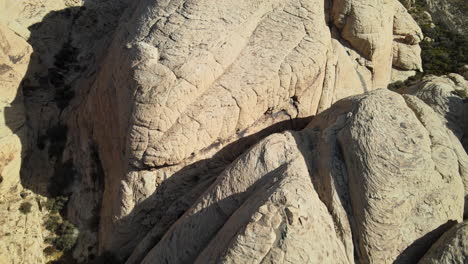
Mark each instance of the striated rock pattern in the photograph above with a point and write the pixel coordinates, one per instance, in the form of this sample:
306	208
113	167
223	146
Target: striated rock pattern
201	132
452	247
446	96
185	79
375	174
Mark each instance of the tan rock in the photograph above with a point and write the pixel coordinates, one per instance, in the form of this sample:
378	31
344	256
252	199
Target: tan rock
444	95
21	235
377	172
14	58
452	247
251	215
184	88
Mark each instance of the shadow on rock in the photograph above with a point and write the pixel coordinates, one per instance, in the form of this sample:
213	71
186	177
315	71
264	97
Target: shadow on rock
145	226
66	46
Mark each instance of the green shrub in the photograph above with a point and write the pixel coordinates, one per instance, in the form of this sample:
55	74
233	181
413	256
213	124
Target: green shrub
443	50
55	205
396	85
25	207
65	234
52	223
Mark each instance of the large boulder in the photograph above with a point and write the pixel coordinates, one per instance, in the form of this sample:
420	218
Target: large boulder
374	179
451	248
446	95
185	79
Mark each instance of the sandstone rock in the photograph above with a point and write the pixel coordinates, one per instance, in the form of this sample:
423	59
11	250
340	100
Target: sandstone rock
21	235
375	174
14	58
444	95
187	86
399	75
50	30
184	79
256	211
452	247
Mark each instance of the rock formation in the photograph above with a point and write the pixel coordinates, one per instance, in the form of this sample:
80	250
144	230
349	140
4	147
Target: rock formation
188	78
375	174
450	248
217	131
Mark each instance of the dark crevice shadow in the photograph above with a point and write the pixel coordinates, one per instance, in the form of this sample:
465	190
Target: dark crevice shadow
151	219
456	116
44	92
65	45
214	219
324	156
414	252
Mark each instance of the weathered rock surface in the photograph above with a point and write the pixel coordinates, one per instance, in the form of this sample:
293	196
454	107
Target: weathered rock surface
452	247
184	79
451	13
14	59
21	234
446	95
170	149
375	174
37	42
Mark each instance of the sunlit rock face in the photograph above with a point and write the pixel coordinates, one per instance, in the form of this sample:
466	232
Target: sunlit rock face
203	131
185	80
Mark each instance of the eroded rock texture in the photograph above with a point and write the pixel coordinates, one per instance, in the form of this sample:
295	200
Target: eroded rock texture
191	138
47	48
375	174
184	80
452	247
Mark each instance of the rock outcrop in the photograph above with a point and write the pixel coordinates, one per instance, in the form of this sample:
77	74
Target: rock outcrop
45	48
452	247
201	131
14	59
185	79
376	174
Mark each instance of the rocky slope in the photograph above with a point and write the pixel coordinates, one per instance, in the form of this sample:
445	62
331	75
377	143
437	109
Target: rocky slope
189	135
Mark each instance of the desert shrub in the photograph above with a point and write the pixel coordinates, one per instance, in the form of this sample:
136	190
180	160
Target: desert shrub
443	50
446	51
52	223
25	207
396	85
65	234
55	205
